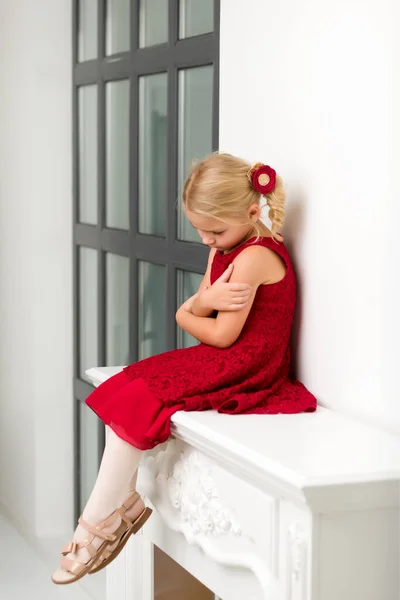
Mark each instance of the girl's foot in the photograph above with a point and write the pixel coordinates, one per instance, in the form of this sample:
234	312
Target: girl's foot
85	552
134	513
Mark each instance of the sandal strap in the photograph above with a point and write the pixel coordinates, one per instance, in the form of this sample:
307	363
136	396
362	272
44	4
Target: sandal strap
90	548
130	501
127	505
72	548
106	553
96	531
72	566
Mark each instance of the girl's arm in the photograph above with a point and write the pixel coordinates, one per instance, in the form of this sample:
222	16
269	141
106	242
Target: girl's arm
198	309
255	265
222	295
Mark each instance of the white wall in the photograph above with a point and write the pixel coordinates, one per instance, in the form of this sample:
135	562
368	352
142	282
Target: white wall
311	89
36	450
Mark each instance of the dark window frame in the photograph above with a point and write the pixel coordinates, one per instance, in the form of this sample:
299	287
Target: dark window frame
176	54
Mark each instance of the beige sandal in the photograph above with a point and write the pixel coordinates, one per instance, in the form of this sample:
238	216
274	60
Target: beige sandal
111	552
77	569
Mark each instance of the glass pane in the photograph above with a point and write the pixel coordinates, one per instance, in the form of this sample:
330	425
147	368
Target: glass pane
173	582
194	131
118	26
117	309
153	26
87	119
152	305
87	30
89	428
88	307
195	17
188	284
117	154
152	153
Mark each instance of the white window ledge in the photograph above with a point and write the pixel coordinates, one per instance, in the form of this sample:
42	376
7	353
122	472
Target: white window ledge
303	452
305	500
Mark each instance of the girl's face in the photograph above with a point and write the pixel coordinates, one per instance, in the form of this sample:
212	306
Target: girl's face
216	234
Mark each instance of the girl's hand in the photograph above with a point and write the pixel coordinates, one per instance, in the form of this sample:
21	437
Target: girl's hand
225	296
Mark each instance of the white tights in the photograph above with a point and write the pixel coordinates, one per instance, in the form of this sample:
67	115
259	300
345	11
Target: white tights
117	477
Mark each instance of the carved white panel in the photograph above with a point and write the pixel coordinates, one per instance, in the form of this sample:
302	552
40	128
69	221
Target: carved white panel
297	562
193	492
179	481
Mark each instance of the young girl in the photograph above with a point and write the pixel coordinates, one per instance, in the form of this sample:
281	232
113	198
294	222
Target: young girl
242	316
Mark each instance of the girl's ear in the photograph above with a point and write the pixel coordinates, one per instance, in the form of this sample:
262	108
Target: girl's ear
254	212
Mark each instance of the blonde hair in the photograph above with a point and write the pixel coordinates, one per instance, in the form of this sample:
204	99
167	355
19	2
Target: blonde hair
219	186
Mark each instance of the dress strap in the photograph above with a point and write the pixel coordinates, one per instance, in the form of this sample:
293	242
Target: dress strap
271	244
267	242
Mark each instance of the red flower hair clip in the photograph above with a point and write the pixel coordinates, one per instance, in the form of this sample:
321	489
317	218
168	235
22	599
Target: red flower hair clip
262	178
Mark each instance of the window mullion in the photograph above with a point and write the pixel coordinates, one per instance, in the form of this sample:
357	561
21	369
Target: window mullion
133	212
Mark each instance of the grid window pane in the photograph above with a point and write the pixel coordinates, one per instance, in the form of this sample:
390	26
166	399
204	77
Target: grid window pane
117	154
118	26
87	140
146	83
188	284
117	309
196	17
87	30
89	434
88	310
153	22
152	309
194	130
152	153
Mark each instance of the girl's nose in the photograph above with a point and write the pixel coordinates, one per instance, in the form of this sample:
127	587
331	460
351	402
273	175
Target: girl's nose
207	239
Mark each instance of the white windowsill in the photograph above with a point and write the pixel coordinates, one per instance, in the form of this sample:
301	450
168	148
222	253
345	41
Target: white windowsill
303	453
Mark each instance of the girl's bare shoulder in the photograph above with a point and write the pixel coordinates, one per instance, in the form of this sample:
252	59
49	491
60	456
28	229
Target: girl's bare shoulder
262	264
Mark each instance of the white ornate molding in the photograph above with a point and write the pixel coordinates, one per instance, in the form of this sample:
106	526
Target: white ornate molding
297	562
184	478
193	492
178	482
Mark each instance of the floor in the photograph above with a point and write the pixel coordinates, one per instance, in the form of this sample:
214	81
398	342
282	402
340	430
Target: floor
25	573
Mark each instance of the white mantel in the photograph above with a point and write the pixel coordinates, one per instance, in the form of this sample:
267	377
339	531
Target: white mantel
271	507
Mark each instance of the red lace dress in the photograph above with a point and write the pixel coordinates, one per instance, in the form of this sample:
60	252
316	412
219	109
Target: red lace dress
251	376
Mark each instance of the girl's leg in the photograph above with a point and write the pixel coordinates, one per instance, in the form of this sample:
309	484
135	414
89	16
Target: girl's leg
132	483
113	482
120	461
115	478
